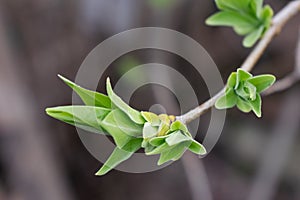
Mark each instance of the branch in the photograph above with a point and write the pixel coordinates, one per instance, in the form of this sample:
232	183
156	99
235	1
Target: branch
278	22
290	79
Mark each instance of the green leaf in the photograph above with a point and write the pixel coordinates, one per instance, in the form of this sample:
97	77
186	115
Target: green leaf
231	82
256	105
267	14
133	114
234	5
151	117
133	145
246	17
90	98
85	117
120	127
251	89
157	141
177	125
149	131
262	82
163	129
122	121
173	153
256	6
119	155
176	138
242	75
148	147
243	105
197	148
159	149
252	38
243	30
229	100
229	18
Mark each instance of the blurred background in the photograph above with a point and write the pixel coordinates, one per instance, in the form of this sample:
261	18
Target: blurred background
44	159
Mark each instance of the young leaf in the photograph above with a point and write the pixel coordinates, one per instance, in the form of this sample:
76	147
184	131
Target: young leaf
163	129
256	105
246	17
151	117
120	127
164	118
229	18
243	30
149	131
242	75
252	38
161	148
197	148
234	5
262	82
231	82
251	90
229	100
90	98
133	114
119	155
85	117
177	125
157	141
267	14
256	6
176	138
147	147
173	153
243	105
124	123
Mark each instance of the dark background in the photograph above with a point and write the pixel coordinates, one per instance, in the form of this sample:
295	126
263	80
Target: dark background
41	158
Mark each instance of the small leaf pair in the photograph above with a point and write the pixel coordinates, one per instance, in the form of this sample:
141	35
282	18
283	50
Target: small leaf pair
243	90
247	17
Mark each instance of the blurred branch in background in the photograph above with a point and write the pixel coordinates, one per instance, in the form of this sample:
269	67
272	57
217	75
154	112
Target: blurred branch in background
280	143
32	172
2	194
197	177
290	79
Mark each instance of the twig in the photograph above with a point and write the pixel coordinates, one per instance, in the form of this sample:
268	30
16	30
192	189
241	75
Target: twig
284	83
274	159
278	22
31	169
290	79
196	177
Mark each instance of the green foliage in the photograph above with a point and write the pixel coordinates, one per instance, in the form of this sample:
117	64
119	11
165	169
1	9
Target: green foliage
129	128
169	138
90	98
248	18
243	90
84	117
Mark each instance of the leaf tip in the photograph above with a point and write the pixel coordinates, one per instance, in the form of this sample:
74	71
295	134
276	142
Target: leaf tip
108	86
99	173
258	114
62	78
49	111
102	171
